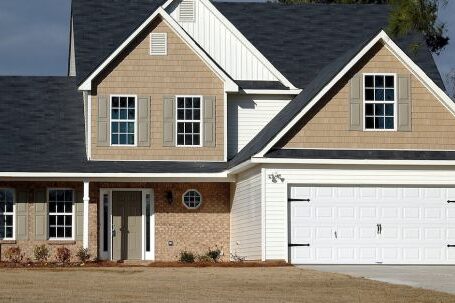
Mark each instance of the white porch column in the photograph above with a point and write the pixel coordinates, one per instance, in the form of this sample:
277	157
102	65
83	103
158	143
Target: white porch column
86	206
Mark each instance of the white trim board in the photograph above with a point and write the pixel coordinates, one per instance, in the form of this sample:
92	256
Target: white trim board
229	84
414	68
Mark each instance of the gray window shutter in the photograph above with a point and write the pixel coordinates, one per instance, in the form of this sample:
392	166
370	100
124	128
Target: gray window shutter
356	103
143	123
22	198
79	211
104	127
169	121
404	103
41	227
209	121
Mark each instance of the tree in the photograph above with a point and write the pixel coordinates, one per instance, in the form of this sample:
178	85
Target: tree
406	16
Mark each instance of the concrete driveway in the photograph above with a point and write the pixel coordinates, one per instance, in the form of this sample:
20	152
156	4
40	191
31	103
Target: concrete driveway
440	278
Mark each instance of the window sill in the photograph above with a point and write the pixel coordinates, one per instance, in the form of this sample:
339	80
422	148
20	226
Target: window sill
7	242
61	242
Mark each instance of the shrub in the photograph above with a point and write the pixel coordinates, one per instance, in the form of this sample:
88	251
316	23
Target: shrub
186	257
237	258
14	254
63	255
83	255
204	258
214	254
41	253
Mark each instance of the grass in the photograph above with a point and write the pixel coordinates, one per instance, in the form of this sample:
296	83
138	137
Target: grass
209	284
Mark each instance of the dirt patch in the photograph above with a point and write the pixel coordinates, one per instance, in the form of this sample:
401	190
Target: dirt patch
208	284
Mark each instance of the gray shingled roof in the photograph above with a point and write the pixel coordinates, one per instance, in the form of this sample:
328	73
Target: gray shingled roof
100	26
300	40
360	154
42	130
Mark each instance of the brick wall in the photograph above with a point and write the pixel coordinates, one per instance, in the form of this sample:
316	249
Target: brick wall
192	230
28	245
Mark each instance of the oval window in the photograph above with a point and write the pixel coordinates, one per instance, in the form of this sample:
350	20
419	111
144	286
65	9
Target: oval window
192	199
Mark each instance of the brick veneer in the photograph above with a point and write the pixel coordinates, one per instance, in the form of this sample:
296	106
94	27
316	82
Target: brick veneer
192	230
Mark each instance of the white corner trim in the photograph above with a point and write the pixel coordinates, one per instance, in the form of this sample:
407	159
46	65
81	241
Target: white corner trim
229	84
89	125
244	40
440	94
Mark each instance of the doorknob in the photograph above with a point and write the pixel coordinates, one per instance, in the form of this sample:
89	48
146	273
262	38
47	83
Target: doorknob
113	231
336	235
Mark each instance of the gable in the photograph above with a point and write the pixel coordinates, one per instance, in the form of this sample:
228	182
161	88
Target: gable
327	125
180	72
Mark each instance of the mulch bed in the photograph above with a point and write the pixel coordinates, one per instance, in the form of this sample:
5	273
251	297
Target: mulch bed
94	264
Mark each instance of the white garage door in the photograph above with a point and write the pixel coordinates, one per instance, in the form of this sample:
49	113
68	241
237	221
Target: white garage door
371	225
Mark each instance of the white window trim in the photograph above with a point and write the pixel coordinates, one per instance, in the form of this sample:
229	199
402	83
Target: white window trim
165	44
183	199
73	215
200	121
13	238
395	103
118	120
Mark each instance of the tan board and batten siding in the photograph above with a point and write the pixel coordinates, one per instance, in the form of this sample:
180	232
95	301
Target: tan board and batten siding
328	125
180	72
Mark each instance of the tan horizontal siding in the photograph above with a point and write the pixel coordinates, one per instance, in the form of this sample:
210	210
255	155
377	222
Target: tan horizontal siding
180	72
327	126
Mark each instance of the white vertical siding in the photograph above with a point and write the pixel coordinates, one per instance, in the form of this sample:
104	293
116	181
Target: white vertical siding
275	194
247	115
222	44
246	215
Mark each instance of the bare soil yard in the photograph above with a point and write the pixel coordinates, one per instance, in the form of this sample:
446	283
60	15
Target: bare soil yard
148	284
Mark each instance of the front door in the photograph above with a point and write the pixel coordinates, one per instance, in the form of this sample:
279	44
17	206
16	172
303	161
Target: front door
126	225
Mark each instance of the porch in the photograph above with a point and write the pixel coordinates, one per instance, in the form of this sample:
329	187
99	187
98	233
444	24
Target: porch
118	220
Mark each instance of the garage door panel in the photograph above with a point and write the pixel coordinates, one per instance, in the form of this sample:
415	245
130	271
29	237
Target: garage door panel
368	225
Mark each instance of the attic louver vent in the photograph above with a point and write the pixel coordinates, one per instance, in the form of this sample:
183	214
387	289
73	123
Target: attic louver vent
187	11
158	44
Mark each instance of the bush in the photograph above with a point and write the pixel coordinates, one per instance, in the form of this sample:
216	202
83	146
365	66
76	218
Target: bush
14	254
204	259
41	253
186	257
83	255
214	254
63	255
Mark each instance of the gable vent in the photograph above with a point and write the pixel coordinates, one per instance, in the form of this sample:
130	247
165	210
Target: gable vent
187	11
158	44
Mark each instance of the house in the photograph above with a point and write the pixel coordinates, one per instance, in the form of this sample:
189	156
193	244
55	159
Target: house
300	133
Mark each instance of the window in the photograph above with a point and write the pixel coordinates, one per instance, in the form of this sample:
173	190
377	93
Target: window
123	120
6	214
380	102
158	44
61	213
187	11
148	213
192	199
188	121
105	221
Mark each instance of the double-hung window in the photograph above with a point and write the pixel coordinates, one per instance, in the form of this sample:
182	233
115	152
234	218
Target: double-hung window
189	121
380	101
123	120
6	214
61	213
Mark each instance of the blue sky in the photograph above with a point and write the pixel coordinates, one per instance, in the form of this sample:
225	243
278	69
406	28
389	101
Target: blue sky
34	37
